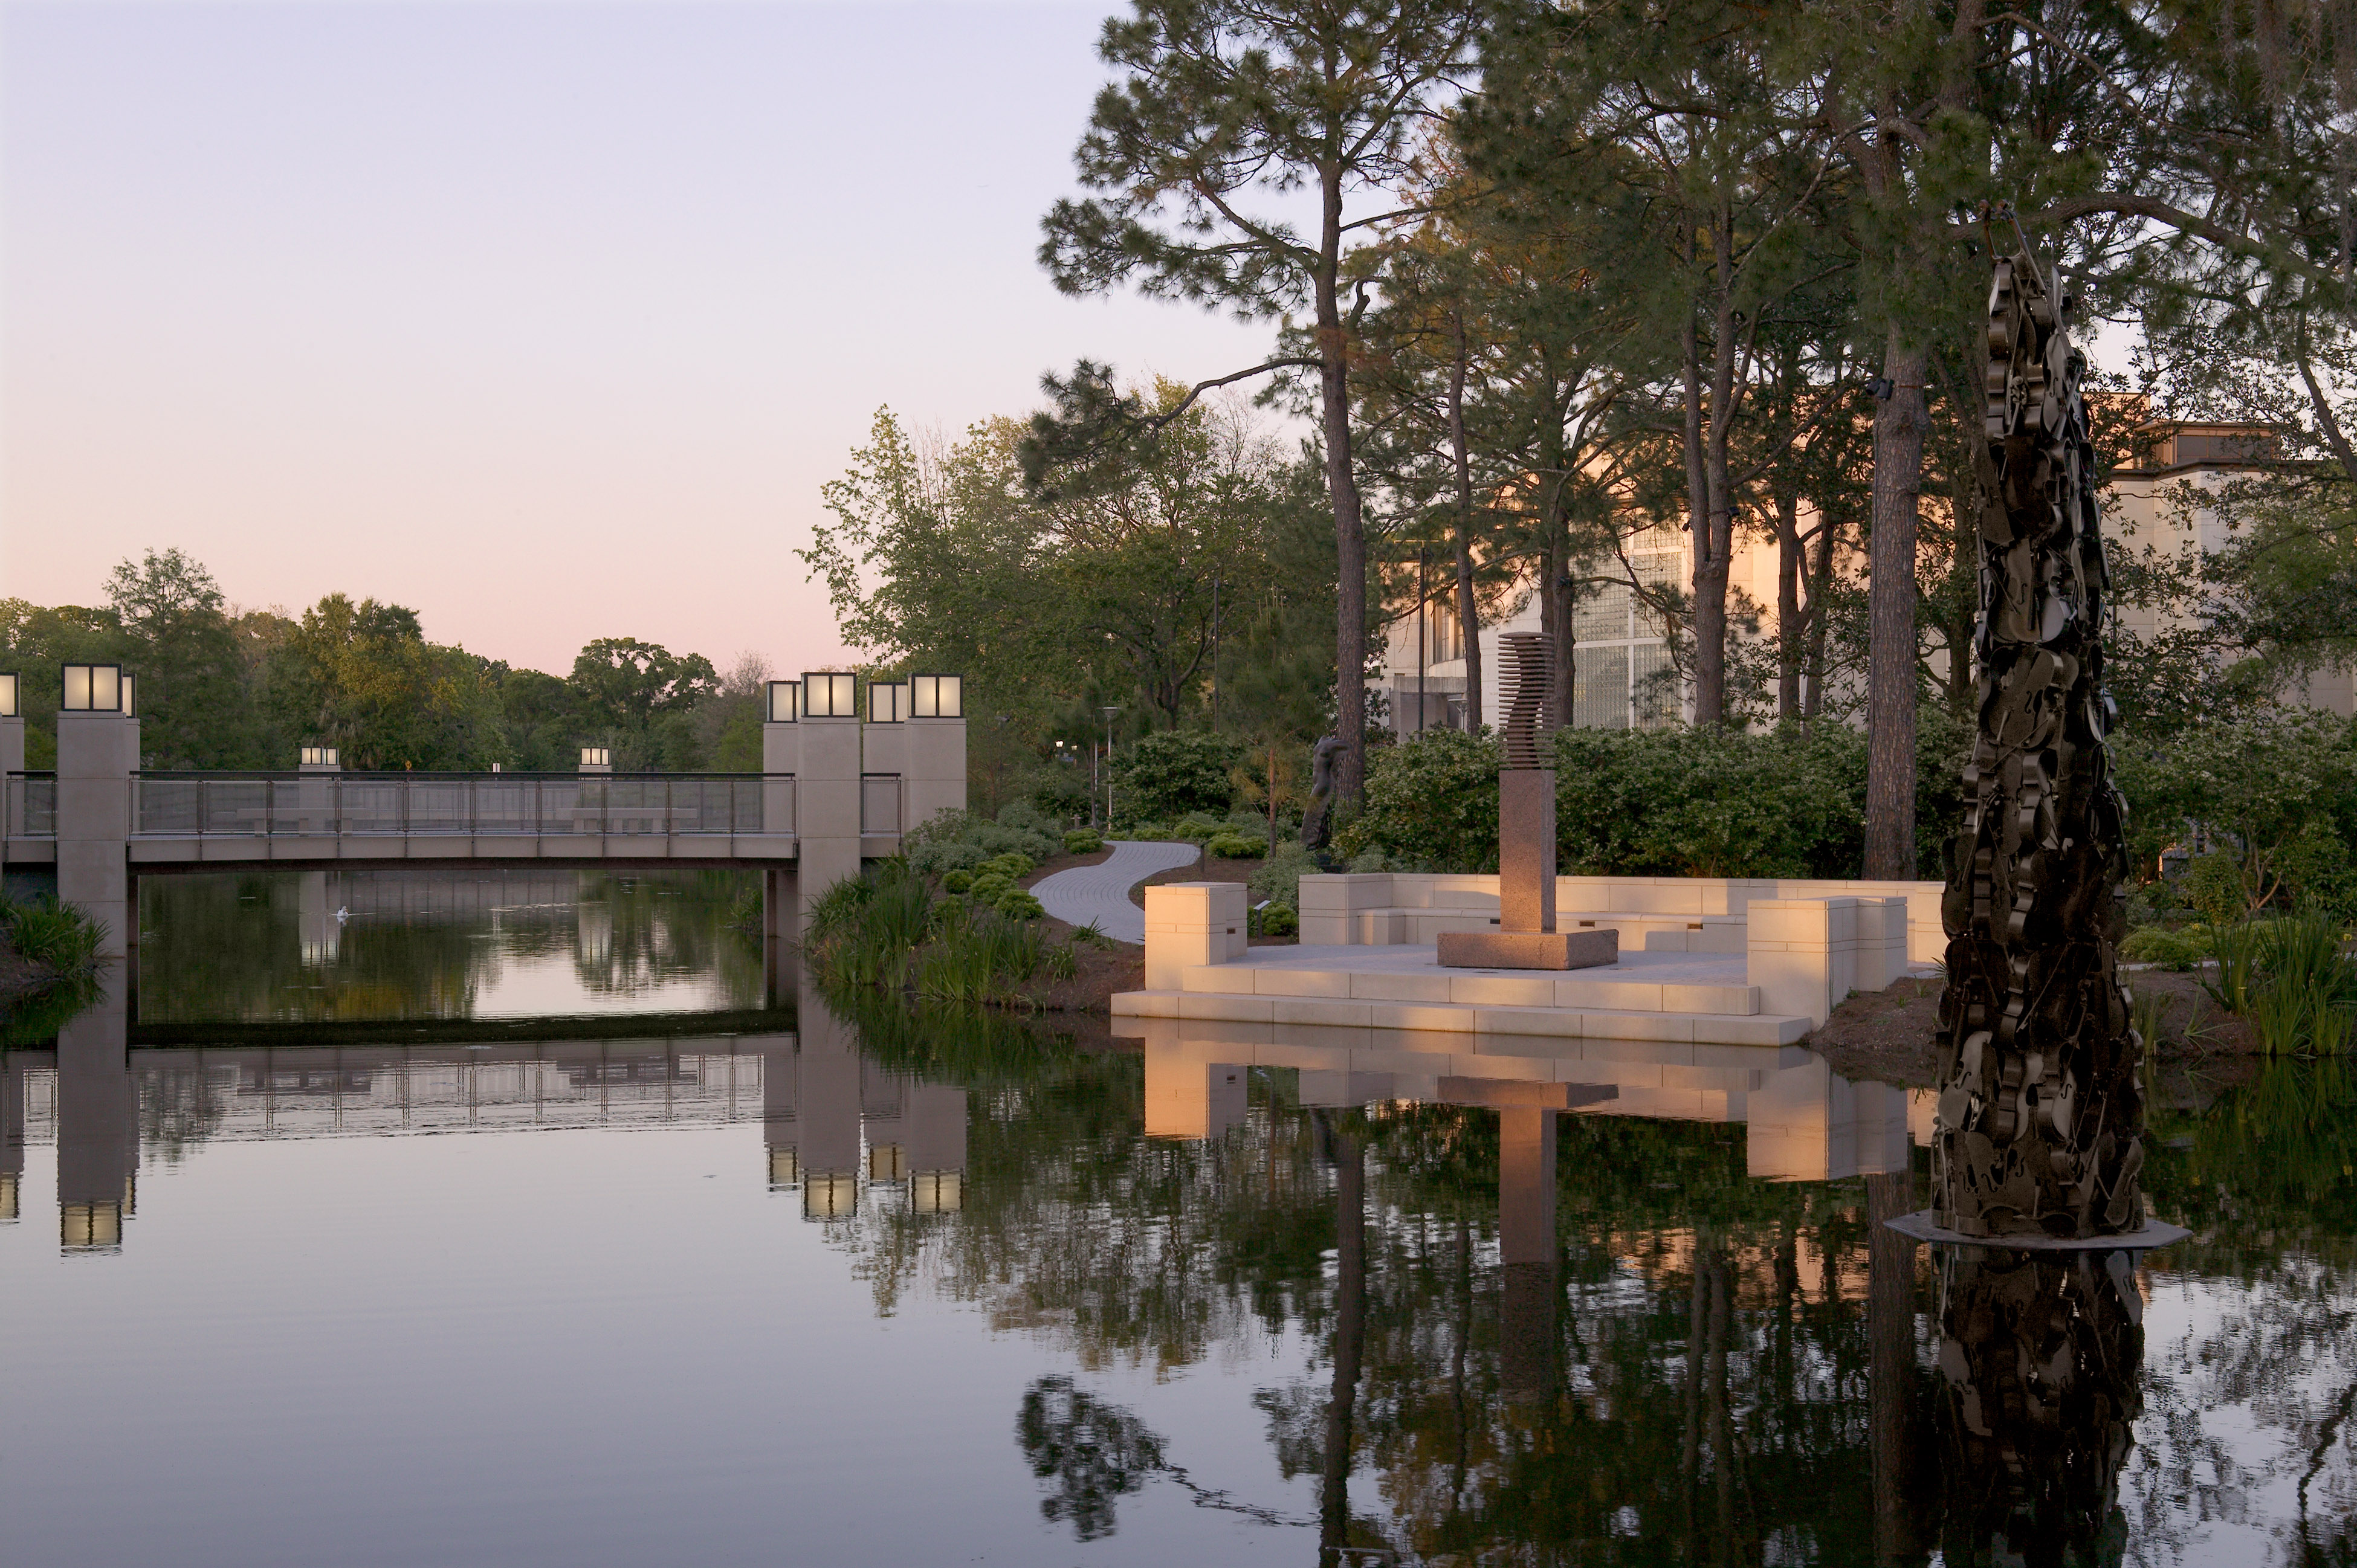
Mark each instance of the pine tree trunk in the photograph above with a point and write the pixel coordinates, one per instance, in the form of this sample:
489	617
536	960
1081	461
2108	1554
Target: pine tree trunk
1899	425
1349	530
1790	631
1469	619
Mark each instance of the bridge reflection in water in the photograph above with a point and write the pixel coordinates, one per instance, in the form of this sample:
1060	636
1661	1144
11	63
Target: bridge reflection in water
841	1129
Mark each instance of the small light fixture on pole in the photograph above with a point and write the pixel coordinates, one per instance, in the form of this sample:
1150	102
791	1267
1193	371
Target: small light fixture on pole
1109	714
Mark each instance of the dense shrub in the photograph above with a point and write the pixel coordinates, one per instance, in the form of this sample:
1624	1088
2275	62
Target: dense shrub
1276	921
1431	803
1711	803
2278	789
1084	841
1673	802
1165	776
1278	879
964	841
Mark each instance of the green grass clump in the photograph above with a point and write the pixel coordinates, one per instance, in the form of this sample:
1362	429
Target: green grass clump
2293	978
1229	845
62	937
887	930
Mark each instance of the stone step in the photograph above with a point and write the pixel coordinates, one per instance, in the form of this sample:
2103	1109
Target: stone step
1475	990
1503	1022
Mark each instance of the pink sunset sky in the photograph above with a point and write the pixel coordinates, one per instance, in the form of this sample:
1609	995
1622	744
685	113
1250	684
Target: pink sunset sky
546	319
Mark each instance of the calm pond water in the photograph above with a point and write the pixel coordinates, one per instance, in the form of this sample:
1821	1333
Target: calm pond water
303	947
901	1288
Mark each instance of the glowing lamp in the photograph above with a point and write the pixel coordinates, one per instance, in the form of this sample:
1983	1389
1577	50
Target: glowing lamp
91	689
830	695
936	696
785	701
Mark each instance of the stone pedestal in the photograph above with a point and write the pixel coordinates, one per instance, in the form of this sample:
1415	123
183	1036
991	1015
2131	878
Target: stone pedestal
1527	937
1191	923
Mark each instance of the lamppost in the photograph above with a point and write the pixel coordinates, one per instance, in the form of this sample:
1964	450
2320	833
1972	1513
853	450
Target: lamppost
1109	714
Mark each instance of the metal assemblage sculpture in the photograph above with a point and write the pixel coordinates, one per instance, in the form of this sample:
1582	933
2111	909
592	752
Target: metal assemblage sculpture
2041	1111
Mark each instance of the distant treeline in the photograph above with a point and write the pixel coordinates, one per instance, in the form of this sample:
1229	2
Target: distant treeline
223	688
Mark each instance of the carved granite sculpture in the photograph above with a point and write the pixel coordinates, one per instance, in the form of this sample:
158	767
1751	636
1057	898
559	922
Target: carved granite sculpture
2040	1113
1527	937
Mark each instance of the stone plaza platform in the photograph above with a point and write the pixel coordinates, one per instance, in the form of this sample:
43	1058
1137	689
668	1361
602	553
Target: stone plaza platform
1655	996
1791	962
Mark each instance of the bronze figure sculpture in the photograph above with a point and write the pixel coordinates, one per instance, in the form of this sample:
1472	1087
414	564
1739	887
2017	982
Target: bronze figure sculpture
1316	831
2041	1111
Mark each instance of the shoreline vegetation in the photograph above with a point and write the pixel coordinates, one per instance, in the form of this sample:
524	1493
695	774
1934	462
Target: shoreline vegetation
51	966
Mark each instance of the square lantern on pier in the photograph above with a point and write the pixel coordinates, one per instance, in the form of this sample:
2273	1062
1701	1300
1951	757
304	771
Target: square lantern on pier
9	682
938	1192
319	760
123	695
888	702
829	1194
596	759
91	689
936	696
785	701
830	695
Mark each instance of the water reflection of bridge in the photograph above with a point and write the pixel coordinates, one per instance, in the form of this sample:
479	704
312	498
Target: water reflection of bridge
841	1129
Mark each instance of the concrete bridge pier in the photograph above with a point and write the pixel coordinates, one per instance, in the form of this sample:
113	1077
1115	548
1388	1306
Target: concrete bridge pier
97	751
98	1127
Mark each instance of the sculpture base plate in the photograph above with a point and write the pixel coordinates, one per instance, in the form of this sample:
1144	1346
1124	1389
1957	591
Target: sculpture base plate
2156	1233
1530	950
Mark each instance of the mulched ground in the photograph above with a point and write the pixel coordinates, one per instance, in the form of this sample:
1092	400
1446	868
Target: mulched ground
1887	1036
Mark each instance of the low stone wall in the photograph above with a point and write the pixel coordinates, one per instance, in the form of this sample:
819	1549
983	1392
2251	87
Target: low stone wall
1682	914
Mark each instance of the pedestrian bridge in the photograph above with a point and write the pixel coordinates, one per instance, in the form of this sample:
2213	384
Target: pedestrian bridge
846	769
207	818
204	819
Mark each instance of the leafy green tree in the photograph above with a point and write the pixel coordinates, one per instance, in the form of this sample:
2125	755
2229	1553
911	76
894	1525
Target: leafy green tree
1222	105
362	678
1161	777
625	684
2276	788
195	692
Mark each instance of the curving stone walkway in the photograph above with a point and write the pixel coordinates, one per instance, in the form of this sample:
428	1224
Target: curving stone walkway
1101	892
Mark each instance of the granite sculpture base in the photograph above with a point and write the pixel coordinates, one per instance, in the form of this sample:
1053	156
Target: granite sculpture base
1530	950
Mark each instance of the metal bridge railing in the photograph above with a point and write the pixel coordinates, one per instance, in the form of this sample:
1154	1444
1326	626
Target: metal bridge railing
28	806
879	803
414	804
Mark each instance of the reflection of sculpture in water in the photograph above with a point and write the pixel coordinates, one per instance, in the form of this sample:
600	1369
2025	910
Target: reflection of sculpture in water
2039	1355
2040	1114
1315	828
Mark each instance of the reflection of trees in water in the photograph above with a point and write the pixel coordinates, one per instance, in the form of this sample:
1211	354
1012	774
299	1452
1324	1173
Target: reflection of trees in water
1732	1370
2254	1319
258	946
1702	1354
639	930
